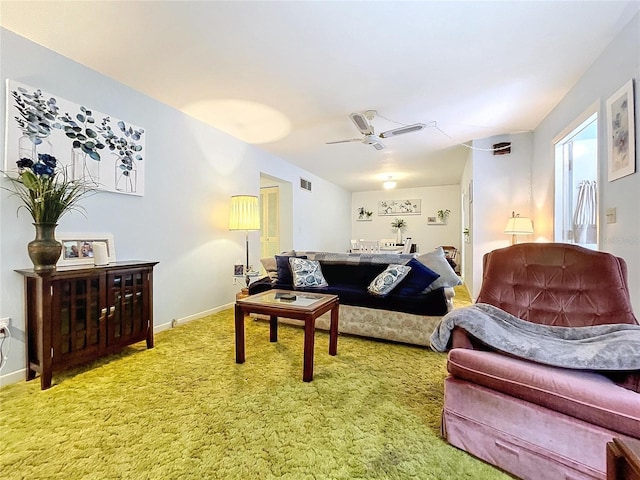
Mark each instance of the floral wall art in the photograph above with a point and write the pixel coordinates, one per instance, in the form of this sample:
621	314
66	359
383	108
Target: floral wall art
400	207
105	152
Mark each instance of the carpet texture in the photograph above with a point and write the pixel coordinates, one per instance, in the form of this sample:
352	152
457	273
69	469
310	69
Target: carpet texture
186	410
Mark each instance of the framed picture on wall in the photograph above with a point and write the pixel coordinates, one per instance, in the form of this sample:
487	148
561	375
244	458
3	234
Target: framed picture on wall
411	206
96	148
621	133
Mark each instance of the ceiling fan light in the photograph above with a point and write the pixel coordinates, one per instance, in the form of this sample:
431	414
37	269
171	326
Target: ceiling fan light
402	130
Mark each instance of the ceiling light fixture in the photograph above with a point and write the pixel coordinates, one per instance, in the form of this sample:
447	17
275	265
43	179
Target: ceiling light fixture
389	184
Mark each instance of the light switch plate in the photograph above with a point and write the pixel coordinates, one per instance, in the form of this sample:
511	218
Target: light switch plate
611	215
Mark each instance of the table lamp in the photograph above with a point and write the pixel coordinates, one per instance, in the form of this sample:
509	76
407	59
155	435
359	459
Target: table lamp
518	225
244	215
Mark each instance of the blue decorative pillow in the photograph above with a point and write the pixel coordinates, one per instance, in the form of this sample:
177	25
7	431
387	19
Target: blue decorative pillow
388	280
418	279
284	270
306	273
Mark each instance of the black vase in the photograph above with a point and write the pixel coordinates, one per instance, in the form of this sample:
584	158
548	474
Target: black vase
44	250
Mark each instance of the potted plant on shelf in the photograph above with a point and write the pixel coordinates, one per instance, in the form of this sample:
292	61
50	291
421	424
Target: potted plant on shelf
364	214
47	192
443	215
399	224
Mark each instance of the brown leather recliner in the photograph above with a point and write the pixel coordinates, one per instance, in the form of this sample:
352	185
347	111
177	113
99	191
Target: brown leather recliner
533	420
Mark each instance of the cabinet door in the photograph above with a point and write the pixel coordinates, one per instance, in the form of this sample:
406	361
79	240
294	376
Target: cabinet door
128	303
76	326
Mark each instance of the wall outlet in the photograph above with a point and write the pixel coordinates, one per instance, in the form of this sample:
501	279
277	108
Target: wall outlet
4	322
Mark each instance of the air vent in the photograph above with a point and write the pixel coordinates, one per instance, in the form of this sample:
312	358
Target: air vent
305	184
503	148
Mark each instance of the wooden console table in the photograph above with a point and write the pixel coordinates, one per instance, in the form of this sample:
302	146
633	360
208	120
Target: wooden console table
78	314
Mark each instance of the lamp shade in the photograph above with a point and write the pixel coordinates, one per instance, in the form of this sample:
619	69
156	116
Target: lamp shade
244	214
519	226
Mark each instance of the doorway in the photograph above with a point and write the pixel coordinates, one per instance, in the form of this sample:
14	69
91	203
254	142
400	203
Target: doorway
576	182
276	212
269	221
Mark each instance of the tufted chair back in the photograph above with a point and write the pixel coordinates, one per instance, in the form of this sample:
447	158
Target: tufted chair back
557	284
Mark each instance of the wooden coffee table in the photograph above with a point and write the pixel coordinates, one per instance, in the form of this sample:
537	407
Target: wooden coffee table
306	307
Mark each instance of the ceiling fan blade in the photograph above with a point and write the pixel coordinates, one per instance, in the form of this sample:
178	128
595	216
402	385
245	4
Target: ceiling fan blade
362	123
378	146
402	130
344	141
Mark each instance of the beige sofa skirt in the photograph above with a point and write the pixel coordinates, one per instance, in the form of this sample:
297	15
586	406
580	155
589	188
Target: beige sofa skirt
375	323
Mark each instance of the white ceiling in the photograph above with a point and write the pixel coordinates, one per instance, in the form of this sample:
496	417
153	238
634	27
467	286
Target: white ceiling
285	75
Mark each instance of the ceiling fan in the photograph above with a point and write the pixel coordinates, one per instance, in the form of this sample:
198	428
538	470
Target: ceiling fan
363	123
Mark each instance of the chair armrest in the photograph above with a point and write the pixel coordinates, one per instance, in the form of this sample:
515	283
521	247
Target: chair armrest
461	339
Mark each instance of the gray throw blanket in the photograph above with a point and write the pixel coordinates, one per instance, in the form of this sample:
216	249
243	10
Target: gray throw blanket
601	347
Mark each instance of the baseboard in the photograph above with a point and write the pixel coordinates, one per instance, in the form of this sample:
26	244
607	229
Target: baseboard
179	321
13	377
20	375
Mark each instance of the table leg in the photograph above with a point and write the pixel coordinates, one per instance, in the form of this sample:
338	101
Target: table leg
273	328
45	379
333	331
309	342
239	321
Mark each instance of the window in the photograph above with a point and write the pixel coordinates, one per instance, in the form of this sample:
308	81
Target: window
576	198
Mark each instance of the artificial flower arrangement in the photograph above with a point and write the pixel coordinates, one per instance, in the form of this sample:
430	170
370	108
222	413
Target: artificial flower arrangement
399	223
45	189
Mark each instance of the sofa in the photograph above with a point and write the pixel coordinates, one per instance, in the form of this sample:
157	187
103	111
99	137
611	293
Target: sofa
406	314
533	420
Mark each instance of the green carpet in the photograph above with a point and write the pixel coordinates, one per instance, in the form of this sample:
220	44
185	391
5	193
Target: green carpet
186	410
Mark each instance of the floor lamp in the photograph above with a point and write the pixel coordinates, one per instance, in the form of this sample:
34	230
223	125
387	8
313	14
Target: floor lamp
245	215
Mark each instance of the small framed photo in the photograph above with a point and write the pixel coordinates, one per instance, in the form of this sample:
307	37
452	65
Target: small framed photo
621	133
238	270
77	248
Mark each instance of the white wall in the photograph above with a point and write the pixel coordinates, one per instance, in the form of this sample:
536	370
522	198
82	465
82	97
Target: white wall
501	185
466	184
426	237
182	221
618	63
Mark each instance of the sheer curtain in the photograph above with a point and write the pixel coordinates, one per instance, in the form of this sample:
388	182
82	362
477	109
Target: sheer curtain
584	216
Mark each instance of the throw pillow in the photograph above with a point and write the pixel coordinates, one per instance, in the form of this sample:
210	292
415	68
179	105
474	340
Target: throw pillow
284	270
386	281
437	262
419	278
306	273
271	267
